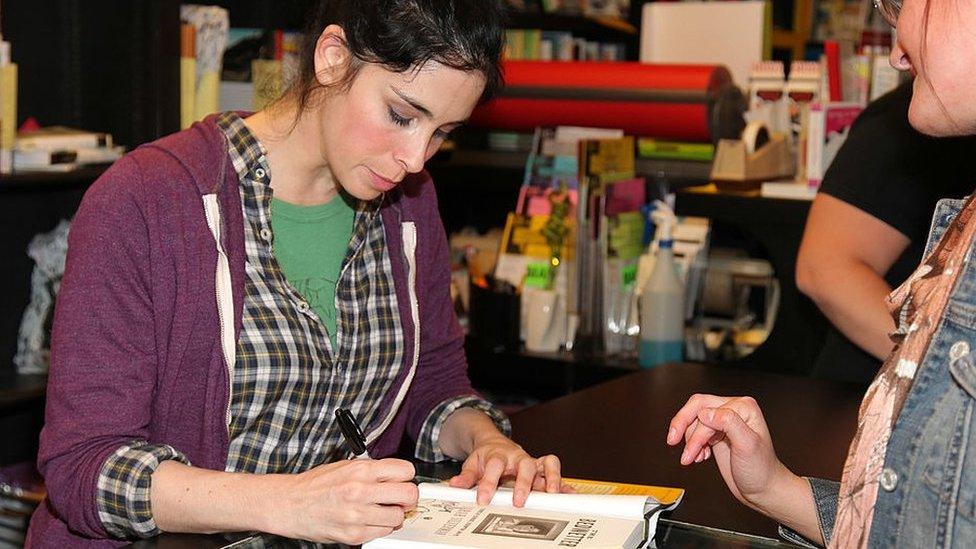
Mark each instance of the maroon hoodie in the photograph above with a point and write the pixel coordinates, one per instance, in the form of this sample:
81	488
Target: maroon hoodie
136	344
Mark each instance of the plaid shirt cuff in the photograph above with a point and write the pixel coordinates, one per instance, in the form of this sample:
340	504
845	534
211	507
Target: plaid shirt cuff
123	488
428	448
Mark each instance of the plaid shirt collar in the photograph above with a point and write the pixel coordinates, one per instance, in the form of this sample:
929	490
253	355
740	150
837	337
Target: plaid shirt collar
250	160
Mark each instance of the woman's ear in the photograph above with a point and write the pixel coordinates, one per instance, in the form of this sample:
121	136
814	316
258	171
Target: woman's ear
331	55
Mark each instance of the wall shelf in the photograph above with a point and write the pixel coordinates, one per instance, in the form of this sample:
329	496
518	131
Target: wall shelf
605	28
39	181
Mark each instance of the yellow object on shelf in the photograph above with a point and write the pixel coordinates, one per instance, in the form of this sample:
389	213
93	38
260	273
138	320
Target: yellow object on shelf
188	75
188	84
207	100
8	115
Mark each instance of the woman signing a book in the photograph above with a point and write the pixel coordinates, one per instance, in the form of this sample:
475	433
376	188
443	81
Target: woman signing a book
910	475
229	287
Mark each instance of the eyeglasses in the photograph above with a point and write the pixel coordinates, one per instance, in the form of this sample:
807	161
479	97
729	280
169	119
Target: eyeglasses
889	9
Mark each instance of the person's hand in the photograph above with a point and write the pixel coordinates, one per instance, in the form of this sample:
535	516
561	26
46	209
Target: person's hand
351	501
498	457
734	431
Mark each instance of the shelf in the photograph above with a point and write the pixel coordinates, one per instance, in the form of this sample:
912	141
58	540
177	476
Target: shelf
685	172
603	28
21	181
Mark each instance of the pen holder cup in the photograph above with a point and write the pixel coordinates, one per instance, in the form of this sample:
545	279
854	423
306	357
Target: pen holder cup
493	319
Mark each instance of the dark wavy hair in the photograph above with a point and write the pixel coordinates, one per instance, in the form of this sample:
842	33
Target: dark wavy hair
402	35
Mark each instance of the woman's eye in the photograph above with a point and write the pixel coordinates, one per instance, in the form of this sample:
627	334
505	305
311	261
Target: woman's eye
397	119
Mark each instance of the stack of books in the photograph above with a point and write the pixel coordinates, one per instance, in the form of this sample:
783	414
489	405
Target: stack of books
540	45
61	149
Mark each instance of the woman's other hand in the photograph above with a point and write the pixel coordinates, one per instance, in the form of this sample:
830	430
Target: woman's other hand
497	457
733	430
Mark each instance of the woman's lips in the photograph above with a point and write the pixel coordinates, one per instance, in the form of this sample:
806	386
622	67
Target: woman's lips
381	183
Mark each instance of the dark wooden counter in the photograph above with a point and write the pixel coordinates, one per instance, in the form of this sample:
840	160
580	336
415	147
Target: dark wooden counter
616	431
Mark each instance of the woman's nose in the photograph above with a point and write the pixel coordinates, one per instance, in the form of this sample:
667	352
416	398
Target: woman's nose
412	155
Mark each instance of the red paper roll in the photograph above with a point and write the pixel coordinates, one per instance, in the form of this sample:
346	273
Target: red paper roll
680	102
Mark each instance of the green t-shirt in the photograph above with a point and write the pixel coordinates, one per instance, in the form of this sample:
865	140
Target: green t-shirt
310	243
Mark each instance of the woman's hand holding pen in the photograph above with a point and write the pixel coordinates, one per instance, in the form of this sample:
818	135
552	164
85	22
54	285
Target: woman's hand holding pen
351	501
734	431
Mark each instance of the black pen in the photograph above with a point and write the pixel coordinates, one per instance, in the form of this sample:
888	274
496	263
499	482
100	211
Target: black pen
354	436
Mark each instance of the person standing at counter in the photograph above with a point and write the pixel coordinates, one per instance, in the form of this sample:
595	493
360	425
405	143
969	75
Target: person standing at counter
909	479
867	227
229	287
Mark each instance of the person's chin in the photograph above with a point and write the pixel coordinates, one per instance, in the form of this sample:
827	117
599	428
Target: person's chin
926	116
363	192
361	188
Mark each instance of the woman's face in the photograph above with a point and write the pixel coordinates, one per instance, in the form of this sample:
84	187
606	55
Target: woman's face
388	124
944	68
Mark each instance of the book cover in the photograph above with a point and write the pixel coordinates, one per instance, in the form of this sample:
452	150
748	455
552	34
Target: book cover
531	43
828	126
188	75
8	114
514	44
449	517
675	150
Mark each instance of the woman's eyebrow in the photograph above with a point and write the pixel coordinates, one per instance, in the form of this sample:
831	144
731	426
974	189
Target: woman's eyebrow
420	107
412	102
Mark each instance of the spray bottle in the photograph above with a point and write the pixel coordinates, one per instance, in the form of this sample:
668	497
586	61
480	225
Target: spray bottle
662	299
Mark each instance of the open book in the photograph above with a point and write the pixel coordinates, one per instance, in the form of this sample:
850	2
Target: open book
601	515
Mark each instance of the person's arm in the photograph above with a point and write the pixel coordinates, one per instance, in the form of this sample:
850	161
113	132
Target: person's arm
350	501
103	359
733	430
843	257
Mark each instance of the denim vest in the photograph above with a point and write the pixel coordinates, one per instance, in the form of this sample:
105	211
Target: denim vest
927	493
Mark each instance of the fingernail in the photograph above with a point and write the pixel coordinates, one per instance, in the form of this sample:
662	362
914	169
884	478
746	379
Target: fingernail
671	433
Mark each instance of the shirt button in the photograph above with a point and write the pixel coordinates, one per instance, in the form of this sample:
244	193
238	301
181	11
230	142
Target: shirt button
303	307
266	234
958	350
889	480
260	173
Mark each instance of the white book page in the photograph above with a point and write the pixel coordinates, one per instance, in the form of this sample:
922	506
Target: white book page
444	524
625	507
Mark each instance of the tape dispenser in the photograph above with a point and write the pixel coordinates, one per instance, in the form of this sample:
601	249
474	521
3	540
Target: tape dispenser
758	156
